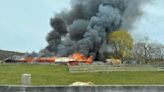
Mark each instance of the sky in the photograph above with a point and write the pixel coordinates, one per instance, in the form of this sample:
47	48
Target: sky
151	24
24	24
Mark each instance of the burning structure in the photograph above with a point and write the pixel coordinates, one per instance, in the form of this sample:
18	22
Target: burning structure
74	59
80	34
84	28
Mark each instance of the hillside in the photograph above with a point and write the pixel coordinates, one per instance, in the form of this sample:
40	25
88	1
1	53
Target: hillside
4	54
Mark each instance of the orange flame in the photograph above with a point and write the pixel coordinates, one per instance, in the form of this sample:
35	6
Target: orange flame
82	58
47	59
90	60
78	57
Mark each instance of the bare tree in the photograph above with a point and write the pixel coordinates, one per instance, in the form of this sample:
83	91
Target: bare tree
162	53
159	51
147	51
141	52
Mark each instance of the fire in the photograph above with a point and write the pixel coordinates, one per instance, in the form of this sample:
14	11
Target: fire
82	58
28	60
73	59
90	60
46	59
78	57
37	59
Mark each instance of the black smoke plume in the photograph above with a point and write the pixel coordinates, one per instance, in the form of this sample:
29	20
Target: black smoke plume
84	28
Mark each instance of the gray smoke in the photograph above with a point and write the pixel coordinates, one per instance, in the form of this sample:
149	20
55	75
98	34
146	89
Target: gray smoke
77	29
84	28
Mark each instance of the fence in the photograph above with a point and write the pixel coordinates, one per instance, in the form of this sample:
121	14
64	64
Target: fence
82	68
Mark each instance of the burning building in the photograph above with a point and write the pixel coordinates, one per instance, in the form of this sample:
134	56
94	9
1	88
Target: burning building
84	28
79	34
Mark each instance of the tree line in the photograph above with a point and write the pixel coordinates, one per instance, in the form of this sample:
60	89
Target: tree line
123	47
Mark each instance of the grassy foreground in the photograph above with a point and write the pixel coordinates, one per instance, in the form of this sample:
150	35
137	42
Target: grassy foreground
59	75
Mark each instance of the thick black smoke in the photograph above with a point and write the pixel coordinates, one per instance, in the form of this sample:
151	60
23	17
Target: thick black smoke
84	28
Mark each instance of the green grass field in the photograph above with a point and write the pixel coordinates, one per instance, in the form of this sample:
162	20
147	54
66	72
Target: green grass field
59	75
